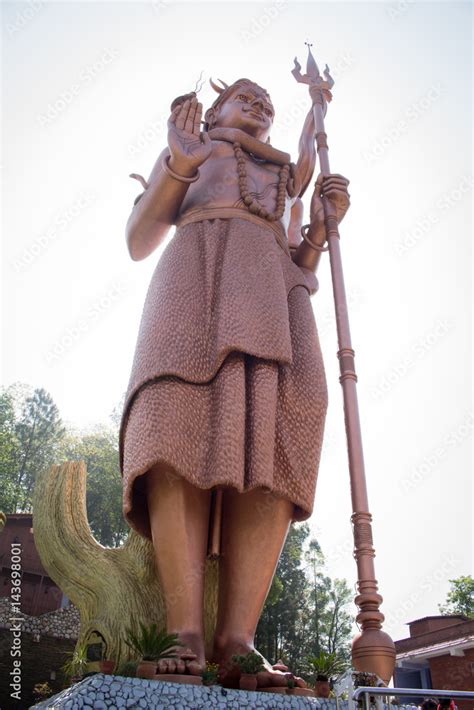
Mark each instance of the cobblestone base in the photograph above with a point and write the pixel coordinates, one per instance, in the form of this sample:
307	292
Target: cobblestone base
104	692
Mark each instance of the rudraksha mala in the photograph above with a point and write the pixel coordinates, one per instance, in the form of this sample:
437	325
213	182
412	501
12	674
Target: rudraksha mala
251	203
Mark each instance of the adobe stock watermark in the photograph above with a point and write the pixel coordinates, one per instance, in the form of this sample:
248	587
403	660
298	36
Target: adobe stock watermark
156	128
26	12
159	6
424	468
67	97
60	222
396	9
97	310
262	21
417	352
426	585
412	113
15	620
326	321
422	227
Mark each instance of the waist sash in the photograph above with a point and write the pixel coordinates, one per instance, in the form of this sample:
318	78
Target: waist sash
201	213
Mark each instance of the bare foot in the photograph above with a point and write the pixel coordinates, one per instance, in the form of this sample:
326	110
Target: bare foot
190	658
272	676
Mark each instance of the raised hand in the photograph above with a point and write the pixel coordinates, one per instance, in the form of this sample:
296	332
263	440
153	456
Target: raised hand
189	148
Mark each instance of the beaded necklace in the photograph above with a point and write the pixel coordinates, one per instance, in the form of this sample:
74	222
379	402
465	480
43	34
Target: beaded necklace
250	202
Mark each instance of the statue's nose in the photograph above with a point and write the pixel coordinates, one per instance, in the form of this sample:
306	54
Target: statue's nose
258	103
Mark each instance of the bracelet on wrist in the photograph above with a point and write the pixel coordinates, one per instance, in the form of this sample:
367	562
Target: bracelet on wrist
308	241
175	176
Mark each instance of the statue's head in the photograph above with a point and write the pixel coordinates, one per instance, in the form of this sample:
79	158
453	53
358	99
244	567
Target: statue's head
243	105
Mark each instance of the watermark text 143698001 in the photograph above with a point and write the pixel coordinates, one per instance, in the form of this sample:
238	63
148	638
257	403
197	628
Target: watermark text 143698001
15	620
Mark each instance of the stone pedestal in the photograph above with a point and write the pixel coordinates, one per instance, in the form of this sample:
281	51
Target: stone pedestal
104	692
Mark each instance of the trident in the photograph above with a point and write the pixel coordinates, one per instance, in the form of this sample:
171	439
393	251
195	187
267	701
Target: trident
372	649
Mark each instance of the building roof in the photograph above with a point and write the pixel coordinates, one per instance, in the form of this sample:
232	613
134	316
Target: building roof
439	616
438	649
436	639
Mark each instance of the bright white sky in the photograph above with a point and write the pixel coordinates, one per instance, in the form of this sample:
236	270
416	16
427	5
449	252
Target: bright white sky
87	88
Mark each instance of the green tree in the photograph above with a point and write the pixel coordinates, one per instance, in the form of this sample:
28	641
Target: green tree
32	438
39	432
460	599
327	622
9	453
99	451
279	629
340	624
318	599
305	612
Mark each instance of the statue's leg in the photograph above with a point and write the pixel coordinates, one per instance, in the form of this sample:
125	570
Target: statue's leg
255	525
179	521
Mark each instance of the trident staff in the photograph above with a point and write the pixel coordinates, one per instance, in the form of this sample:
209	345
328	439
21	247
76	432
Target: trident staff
372	649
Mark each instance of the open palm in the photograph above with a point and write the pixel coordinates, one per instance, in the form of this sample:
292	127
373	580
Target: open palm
189	147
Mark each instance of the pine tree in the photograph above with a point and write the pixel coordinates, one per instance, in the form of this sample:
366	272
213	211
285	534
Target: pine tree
9	453
39	432
305	612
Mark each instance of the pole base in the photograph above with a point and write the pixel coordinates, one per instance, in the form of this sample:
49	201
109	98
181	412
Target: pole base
373	651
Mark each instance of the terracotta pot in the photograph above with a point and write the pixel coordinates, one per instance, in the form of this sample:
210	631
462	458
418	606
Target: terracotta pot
107	667
146	669
322	688
248	681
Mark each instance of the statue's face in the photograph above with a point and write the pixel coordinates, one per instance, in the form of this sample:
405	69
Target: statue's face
249	109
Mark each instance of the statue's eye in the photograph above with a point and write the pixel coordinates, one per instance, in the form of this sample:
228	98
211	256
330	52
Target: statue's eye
268	112
244	98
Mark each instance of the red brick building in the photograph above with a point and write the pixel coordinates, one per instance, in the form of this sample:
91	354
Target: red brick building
438	654
39	594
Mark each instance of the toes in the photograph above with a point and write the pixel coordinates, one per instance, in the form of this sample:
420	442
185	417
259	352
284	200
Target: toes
194	668
162	666
180	666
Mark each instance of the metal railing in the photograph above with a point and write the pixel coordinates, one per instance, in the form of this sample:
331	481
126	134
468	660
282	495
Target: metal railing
366	692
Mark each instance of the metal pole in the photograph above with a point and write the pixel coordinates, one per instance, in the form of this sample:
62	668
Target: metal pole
413	692
372	650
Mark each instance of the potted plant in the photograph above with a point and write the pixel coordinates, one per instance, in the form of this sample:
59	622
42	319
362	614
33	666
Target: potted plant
362	679
250	664
76	665
151	645
106	665
324	667
41	691
210	673
128	669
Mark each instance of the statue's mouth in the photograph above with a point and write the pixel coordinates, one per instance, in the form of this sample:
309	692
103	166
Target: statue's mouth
255	114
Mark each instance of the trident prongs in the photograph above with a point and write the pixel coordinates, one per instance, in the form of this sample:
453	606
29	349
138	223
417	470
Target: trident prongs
312	76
